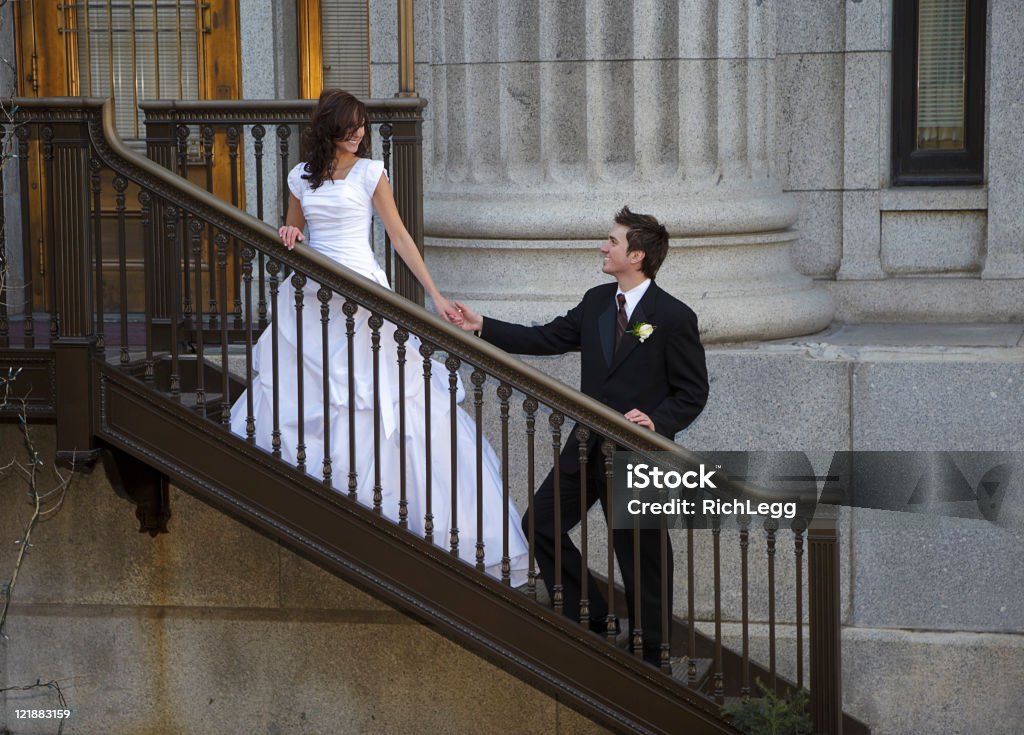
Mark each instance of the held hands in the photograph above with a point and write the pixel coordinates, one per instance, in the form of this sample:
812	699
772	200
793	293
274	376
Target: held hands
451	314
639	417
290	235
471	321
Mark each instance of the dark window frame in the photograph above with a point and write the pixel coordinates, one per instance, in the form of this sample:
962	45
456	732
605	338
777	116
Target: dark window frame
912	167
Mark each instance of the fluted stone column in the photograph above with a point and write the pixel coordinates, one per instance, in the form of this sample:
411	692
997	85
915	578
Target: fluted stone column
549	115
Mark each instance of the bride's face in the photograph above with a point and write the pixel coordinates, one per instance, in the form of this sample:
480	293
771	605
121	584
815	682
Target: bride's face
350	143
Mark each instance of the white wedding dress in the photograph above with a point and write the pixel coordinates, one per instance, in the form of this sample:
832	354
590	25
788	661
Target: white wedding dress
339	214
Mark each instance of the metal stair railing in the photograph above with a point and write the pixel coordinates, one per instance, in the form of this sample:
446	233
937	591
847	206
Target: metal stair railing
88	172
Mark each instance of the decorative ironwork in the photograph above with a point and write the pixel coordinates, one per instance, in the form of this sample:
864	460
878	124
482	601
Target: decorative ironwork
453	363
555	421
477	378
299	283
375	323
164	197
401	337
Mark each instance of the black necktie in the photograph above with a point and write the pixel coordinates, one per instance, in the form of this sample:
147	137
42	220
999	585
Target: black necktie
620	320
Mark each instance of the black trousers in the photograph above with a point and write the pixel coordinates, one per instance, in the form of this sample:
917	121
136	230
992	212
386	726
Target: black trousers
546	537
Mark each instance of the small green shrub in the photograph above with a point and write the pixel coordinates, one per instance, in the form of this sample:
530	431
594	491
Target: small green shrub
770	714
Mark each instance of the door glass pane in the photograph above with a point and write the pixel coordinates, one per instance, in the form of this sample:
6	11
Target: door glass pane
135	50
344	40
941	84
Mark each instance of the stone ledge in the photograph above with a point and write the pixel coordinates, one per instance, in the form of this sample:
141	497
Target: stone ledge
931	198
928	300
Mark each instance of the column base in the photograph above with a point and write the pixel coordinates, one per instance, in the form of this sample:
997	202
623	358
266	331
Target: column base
742	287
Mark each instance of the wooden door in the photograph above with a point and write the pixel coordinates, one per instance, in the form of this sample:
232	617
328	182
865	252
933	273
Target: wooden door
131	50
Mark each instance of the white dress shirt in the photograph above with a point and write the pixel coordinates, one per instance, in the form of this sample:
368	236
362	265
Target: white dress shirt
633	297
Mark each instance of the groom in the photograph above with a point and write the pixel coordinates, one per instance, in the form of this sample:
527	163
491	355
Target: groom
658	381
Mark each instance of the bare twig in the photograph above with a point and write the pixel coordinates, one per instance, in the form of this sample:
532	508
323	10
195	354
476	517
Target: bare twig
52	684
44	503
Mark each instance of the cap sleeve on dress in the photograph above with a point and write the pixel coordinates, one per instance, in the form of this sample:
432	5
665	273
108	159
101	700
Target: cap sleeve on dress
296	184
373	171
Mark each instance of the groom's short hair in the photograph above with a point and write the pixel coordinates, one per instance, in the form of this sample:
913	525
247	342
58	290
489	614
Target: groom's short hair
647	236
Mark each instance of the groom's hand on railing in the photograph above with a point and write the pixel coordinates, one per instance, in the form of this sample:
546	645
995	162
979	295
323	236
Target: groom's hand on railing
471	321
639	417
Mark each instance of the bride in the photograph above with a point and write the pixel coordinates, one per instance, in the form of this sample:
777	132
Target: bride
334	192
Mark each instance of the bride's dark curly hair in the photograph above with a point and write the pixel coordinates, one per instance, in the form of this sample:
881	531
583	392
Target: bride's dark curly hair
337	115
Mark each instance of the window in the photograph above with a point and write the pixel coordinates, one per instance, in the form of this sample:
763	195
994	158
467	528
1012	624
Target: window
344	33
135	50
334	46
938	92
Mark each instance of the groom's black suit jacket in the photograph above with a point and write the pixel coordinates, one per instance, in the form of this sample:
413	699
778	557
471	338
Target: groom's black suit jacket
665	376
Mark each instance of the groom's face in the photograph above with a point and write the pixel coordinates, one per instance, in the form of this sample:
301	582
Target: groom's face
616	258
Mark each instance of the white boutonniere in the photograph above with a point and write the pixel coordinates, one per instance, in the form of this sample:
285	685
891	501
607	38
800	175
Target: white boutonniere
641	331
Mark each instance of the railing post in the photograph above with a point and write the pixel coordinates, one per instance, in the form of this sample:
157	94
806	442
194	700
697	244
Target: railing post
407	140
824	622
161	148
75	342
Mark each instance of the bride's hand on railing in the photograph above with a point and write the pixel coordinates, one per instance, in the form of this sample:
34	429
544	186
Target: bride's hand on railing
290	235
448	311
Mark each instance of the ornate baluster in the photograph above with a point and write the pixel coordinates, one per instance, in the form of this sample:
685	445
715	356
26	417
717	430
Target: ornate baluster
799	526
196	226
453	363
273	268
207	133
183	133
504	393
258	133
222	274
477	378
530	409
283	133
171	215
691	615
95	168
349	309
324	295
583	439
666	612
555	421
376	323
426	350
718	687
233	137
248	253
770	527
401	337
636	619
744	521
608	452
120	185
145	203
299	283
